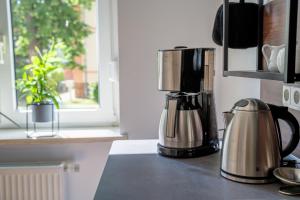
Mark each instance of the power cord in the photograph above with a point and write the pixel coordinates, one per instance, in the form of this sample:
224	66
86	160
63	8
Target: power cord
9	119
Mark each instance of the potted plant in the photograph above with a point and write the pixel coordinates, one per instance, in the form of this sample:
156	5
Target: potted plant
38	87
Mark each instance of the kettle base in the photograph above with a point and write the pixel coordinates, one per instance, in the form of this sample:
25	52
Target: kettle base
249	180
187	152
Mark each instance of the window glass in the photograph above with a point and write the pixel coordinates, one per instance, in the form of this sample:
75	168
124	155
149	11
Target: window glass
69	28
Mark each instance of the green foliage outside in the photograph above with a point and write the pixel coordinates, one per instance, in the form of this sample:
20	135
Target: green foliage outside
94	91
37	22
38	83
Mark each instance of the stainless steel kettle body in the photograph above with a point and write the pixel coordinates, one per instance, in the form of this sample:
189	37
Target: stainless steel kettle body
252	142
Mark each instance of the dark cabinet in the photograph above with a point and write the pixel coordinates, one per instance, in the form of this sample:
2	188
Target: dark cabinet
276	28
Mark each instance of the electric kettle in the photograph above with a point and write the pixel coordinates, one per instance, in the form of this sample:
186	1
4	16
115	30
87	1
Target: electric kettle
252	145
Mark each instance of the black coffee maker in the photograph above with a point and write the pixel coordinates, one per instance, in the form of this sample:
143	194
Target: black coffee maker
188	126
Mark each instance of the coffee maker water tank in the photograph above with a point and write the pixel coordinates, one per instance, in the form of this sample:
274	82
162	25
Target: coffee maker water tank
180	69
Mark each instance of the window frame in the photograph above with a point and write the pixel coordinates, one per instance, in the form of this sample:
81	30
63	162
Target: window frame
107	113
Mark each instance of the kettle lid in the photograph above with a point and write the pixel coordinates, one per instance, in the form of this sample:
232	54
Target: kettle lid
250	104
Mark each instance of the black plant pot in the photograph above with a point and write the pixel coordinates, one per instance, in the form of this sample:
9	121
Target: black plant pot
42	112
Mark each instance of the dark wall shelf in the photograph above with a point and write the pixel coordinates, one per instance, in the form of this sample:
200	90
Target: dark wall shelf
273	31
256	74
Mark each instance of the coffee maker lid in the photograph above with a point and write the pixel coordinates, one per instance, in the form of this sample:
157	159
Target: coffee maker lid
250	105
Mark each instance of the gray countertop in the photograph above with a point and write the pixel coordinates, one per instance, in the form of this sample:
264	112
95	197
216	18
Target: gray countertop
131	175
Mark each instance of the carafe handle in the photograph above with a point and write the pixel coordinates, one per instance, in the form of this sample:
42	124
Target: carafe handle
171	118
281	112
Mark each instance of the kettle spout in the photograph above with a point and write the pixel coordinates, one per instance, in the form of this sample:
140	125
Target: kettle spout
227	118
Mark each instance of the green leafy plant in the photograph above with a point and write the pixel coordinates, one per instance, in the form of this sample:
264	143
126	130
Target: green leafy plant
38	84
93	92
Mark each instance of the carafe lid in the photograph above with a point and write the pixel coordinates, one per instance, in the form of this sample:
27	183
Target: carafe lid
185	101
185	48
250	105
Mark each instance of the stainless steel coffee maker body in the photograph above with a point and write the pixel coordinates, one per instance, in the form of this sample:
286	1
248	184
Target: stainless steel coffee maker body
252	146
188	123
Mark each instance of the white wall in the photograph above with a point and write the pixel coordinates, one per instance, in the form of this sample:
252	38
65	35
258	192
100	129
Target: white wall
229	90
91	158
146	26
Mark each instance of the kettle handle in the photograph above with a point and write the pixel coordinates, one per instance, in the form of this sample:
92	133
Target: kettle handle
281	112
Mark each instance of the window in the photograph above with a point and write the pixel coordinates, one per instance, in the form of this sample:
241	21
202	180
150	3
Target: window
82	34
71	27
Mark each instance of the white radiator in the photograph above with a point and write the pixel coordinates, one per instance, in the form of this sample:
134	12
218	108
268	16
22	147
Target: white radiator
35	181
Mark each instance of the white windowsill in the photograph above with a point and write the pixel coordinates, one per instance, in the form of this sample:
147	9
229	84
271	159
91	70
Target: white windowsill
84	135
